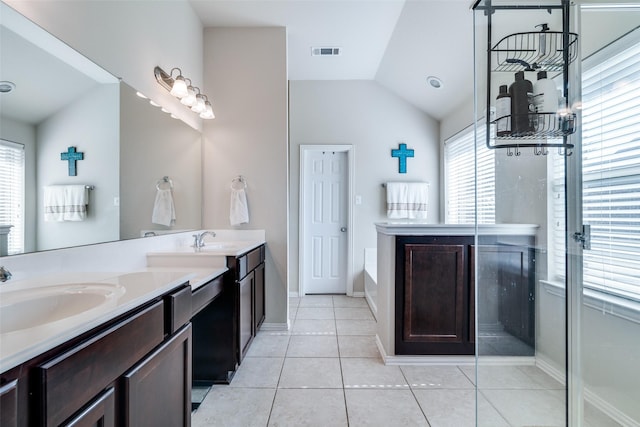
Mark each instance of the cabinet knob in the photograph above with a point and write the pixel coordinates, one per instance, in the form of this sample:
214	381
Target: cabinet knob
343	229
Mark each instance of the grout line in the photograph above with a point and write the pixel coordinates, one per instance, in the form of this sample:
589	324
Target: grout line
414	396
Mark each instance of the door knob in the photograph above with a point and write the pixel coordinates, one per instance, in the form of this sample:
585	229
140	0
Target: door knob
343	229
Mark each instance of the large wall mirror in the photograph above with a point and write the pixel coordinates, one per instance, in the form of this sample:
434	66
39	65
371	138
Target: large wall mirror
54	101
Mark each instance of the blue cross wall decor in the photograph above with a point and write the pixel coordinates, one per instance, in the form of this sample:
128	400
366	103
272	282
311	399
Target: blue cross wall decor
72	157
402	153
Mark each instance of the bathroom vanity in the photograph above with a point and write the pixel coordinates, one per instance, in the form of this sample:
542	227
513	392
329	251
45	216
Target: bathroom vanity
110	373
426	294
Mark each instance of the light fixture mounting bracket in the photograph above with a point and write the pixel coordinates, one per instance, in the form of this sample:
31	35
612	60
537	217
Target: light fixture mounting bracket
165	80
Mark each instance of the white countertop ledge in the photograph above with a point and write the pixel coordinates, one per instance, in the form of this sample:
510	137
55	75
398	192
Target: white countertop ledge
131	289
406	228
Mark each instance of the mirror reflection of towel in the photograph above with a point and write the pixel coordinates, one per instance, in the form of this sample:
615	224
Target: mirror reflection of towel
164	212
239	212
65	202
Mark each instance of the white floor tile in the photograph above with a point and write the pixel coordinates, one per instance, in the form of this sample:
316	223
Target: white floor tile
353	313
371	373
314	327
529	407
316	301
234	407
446	408
268	345
310	407
500	377
258	372
356	327
383	408
358	346
345	301
436	377
313	346
310	372
315	313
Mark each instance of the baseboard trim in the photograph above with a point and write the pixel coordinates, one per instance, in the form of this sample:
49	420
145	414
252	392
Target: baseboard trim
267	327
358	295
293	294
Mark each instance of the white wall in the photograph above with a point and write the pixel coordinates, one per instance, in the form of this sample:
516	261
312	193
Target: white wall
25	133
154	145
91	124
128	39
246	75
372	119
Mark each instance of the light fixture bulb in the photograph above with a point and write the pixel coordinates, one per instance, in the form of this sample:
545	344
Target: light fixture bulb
199	106
190	99
208	111
179	88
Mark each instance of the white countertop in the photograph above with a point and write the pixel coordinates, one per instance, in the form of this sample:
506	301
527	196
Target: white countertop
215	248
400	228
122	292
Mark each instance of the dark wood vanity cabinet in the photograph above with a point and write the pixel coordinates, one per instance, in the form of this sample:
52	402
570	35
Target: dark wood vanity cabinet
9	404
227	314
133	370
248	271
435	291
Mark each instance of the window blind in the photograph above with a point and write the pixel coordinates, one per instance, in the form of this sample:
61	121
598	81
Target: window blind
460	182
611	168
12	193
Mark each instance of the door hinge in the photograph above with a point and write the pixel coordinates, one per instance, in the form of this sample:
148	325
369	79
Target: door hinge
584	237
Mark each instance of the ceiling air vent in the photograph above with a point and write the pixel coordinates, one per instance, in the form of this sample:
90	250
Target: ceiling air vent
326	51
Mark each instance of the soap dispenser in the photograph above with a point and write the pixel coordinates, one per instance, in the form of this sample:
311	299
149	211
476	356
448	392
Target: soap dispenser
521	92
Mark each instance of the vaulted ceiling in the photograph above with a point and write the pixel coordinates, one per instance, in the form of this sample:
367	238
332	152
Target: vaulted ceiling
398	43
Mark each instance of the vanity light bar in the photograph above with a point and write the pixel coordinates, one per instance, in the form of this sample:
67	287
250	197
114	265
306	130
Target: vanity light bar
198	103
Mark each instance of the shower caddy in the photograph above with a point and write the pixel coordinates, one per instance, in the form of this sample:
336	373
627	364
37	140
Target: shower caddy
523	51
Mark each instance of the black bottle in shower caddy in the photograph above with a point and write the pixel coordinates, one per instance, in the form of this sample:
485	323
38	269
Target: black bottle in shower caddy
521	92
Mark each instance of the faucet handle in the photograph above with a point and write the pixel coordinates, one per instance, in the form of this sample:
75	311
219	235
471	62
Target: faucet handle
4	274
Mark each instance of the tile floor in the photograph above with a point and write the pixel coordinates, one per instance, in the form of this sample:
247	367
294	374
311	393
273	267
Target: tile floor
327	372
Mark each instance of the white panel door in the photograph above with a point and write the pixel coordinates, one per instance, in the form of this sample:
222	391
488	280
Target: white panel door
325	199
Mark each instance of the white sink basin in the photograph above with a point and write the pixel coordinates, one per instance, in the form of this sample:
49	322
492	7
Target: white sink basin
28	308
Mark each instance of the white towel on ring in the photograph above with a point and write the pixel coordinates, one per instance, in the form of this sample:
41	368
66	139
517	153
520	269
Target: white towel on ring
239	209
164	211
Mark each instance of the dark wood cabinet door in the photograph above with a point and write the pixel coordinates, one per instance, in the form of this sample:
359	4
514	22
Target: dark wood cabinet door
157	391
432	297
99	413
245	288
259	293
506	289
9	404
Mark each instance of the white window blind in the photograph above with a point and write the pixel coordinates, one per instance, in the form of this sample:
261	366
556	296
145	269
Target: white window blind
460	169
12	193
611	168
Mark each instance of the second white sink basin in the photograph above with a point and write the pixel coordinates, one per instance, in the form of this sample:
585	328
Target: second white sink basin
28	308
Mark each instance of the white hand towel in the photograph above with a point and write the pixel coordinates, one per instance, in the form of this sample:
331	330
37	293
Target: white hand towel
65	202
164	211
407	200
239	212
54	203
76	199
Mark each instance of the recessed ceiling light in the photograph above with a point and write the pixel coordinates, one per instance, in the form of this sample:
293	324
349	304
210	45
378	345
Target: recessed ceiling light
434	82
6	87
155	104
141	95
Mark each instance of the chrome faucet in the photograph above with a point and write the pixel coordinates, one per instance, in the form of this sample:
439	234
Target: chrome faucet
198	239
4	274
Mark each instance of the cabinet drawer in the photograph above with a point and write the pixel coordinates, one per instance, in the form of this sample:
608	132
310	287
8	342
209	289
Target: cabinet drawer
74	378
9	404
178	306
249	262
205	294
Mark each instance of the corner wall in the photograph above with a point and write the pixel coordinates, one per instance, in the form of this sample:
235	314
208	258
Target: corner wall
245	73
363	114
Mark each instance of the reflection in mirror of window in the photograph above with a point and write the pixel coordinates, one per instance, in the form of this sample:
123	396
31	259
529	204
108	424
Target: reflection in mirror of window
12	194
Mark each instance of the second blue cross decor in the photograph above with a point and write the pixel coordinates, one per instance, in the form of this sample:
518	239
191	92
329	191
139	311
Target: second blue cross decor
402	153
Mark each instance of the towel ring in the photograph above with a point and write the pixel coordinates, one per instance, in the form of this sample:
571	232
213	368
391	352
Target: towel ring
164	180
238	183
